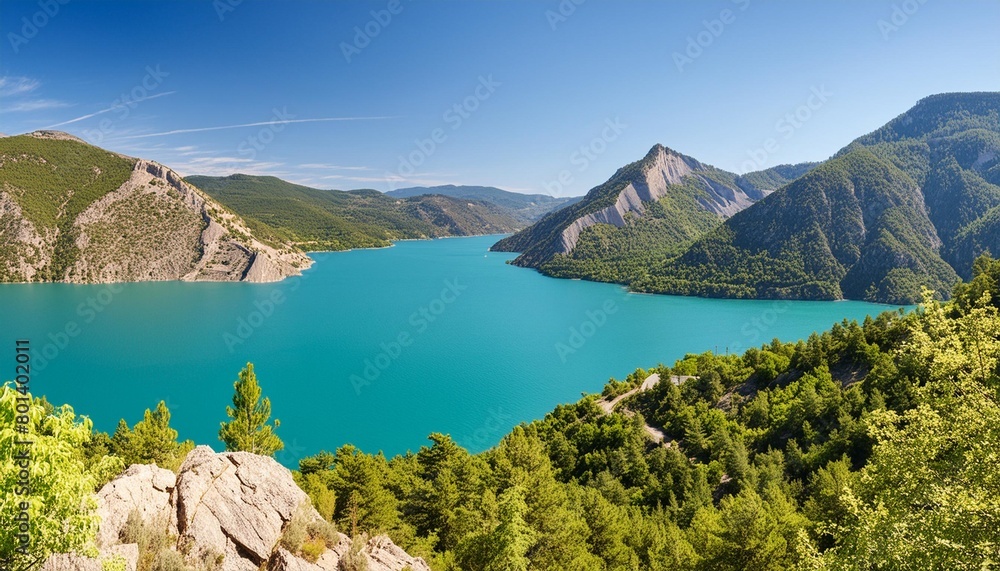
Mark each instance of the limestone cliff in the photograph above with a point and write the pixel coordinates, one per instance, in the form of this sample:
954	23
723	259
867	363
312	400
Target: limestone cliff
76	213
695	197
225	512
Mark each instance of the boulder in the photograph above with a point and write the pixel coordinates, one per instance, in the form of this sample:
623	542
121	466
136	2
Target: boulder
234	502
384	555
142	487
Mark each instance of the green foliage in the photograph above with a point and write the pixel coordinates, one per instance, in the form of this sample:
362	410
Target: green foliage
58	491
666	227
53	181
906	207
247	429
116	563
317	219
866	447
150	441
152	539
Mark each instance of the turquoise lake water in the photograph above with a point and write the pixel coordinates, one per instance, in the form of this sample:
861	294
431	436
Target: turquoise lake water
377	348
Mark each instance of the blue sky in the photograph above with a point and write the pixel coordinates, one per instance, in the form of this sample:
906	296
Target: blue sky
552	97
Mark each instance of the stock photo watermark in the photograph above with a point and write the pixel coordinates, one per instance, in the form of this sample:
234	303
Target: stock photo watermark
32	25
563	11
899	17
786	126
263	309
594	320
419	321
455	116
88	311
711	31
496	423
124	104
585	155
754	329
363	35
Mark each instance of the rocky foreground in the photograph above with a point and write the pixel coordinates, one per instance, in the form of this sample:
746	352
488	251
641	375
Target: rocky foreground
223	512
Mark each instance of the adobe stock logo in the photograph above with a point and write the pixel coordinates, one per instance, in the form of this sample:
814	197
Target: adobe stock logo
47	10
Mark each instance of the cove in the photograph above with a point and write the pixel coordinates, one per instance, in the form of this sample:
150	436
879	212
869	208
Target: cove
377	348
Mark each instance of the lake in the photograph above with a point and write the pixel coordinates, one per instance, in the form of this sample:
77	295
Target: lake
377	348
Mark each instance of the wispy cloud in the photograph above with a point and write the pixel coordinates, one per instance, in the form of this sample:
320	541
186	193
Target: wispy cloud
225	166
34	105
257	124
109	109
12	85
333	167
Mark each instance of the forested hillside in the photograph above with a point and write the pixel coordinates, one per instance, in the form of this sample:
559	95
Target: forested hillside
648	211
871	446
317	219
70	211
910	205
525	208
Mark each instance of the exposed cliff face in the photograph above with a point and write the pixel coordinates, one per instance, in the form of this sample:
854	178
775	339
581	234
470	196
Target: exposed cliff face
663	169
229	510
697	193
71	212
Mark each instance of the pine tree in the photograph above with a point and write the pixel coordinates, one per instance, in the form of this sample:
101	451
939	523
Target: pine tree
151	440
248	429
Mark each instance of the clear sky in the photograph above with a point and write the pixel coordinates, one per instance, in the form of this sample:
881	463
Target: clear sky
552	97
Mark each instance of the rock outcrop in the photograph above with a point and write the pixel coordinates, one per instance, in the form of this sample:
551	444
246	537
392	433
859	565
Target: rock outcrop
228	511
662	169
108	218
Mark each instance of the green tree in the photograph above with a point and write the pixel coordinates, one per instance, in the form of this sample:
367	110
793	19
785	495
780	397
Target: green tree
151	440
248	429
59	497
928	497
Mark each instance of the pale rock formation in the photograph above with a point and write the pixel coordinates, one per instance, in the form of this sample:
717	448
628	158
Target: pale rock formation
235	505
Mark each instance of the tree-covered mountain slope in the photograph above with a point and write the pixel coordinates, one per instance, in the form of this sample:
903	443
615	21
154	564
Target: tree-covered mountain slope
910	205
525	208
73	212
649	210
317	219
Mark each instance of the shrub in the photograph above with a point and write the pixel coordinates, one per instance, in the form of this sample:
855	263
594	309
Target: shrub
354	559
312	548
324	531
116	563
169	560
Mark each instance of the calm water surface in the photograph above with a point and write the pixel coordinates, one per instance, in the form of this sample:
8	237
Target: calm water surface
378	348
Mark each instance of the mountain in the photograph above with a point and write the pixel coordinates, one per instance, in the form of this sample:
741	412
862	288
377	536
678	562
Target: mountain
73	212
315	219
648	211
910	205
526	208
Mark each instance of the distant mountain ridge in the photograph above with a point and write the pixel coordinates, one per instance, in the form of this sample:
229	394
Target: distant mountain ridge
907	206
315	219
647	210
526	208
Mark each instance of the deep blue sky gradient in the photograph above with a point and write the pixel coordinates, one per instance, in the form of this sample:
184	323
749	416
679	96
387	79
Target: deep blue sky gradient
556	82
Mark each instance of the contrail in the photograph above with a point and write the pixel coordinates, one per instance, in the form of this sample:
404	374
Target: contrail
112	108
258	124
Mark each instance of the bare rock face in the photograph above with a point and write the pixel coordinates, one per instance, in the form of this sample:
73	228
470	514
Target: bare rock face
664	169
145	488
154	226
229	508
236	503
384	555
